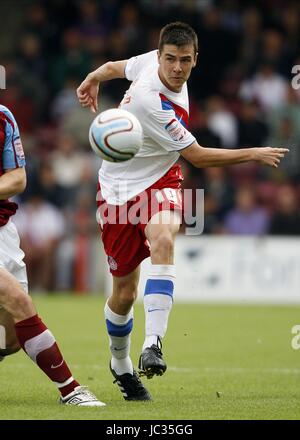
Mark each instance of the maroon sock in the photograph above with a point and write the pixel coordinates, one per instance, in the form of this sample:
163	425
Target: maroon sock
39	344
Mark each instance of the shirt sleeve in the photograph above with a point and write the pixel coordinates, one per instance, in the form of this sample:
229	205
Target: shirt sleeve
135	64
13	153
164	127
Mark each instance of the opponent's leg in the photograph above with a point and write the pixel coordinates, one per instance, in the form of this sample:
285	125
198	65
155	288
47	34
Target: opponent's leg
119	321
158	298
39	343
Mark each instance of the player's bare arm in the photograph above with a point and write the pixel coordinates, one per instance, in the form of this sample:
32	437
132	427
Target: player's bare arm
88	90
12	182
202	157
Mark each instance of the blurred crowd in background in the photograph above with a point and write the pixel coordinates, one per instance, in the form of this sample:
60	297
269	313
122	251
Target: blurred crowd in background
241	95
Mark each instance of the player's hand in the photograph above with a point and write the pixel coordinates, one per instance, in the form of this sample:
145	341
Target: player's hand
269	156
87	93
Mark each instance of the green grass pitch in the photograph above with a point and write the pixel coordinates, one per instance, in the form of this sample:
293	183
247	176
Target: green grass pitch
224	362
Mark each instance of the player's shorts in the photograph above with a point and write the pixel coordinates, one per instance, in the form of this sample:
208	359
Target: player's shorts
11	255
123	227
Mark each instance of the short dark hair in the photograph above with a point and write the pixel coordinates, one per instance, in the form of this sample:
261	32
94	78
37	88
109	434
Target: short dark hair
178	34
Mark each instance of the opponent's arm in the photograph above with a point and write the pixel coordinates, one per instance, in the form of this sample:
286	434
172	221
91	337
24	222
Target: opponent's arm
202	157
88	90
12	182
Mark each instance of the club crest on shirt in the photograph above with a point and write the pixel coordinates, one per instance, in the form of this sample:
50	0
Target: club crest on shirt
176	130
19	148
112	263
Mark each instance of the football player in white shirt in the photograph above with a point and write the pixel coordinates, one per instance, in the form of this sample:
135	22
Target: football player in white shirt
158	97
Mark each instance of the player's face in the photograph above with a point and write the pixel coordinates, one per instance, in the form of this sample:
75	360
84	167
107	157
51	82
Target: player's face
175	65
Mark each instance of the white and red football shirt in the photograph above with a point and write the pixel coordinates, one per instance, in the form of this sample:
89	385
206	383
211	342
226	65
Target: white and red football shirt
164	116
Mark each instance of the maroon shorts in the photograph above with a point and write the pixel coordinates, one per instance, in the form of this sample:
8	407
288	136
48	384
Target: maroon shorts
123	227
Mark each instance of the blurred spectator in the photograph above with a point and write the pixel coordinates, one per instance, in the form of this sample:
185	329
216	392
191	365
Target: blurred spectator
130	25
49	189
217	185
93	28
23	106
252	130
204	135
266	194
267	87
246	218
291	26
222	122
211	217
274	52
32	68
74	61
284	135
30	57
68	164
231	17
284	124
245	174
65	101
252	25
41	226
230	87
38	22
286	218
217	49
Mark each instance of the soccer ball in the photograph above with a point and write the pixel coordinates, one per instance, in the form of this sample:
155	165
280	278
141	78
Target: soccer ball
116	135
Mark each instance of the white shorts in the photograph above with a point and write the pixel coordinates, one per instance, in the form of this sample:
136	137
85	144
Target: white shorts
11	255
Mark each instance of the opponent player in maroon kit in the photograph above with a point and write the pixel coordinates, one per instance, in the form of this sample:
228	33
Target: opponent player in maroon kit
158	97
20	326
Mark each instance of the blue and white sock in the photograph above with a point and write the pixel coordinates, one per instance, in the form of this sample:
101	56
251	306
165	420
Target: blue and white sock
119	328
158	301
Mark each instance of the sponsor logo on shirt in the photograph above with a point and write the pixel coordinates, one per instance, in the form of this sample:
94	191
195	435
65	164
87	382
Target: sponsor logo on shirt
176	130
19	148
